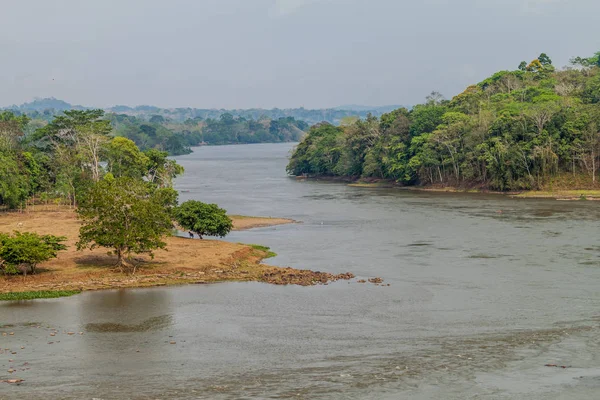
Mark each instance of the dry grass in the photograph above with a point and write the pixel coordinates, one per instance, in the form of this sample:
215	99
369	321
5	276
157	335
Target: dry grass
184	261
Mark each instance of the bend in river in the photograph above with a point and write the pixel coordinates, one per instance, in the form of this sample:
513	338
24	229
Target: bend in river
485	290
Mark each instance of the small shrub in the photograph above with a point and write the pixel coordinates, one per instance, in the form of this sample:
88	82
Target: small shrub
270	254
22	251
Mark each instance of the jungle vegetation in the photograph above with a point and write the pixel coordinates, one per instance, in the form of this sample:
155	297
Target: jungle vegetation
519	129
123	195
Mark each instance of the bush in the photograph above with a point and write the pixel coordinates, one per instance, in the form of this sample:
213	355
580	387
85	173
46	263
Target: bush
21	252
203	219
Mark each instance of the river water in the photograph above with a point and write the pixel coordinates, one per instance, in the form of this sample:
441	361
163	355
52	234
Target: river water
484	291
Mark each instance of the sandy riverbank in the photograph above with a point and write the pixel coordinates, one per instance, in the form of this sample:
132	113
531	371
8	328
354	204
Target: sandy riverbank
184	261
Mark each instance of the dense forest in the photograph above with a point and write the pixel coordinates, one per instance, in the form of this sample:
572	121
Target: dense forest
311	116
173	136
176	138
520	129
61	160
177	130
46	109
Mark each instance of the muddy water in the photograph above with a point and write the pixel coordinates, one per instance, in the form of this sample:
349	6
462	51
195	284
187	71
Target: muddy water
484	292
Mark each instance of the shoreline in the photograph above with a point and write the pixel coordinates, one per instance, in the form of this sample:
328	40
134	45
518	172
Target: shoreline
558	194
185	261
244	222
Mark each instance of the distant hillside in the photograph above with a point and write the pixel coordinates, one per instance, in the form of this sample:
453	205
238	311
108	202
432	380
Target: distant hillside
331	115
48	104
46	108
371	109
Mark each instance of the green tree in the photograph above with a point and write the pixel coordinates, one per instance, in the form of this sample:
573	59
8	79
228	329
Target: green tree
126	215
523	66
588	62
544	60
22	252
125	159
319	152
157	119
12	129
15	185
160	169
203	219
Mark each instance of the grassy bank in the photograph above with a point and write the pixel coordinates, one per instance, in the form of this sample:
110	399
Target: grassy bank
582	194
264	250
44	294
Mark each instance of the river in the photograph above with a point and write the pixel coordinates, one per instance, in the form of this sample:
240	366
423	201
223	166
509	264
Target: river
484	292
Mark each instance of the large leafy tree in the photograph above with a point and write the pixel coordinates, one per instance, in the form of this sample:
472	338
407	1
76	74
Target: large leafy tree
160	169
125	159
203	219
73	145
126	215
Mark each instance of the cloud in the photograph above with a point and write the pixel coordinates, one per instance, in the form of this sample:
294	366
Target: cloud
282	8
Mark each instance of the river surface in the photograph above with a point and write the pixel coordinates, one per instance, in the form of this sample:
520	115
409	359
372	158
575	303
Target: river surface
484	291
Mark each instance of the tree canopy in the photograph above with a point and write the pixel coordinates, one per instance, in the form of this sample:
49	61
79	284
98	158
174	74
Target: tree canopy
514	130
203	219
176	137
126	215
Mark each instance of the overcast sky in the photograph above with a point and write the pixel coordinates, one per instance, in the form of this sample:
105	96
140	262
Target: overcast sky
276	53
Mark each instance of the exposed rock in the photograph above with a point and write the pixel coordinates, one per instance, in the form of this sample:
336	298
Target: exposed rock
291	276
12	380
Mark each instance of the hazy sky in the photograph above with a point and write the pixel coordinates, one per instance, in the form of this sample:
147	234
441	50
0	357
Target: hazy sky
276	53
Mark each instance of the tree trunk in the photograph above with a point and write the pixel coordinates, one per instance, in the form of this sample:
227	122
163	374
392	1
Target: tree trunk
593	166
123	264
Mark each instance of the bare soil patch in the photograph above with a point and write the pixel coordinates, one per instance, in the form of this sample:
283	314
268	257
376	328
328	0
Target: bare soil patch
241	222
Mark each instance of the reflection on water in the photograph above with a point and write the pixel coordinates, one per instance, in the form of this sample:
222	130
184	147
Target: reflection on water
148	325
485	290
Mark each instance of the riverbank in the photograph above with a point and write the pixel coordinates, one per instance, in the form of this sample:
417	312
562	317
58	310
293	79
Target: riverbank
583	194
184	261
557	194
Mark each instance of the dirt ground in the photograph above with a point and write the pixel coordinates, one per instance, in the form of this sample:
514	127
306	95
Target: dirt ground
241	222
184	261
